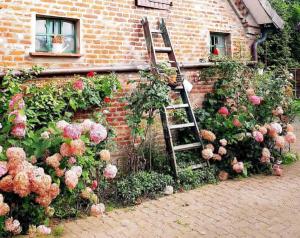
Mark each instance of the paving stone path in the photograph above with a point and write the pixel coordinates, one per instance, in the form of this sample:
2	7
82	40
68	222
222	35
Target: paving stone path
256	207
261	206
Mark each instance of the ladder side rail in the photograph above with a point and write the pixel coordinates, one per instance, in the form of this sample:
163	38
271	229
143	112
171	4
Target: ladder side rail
149	41
168	43
169	140
190	113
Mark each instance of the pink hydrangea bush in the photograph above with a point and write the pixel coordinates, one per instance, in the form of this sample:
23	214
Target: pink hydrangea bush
17	116
253	113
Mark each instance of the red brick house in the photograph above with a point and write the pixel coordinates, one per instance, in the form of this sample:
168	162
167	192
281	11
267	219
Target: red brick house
105	36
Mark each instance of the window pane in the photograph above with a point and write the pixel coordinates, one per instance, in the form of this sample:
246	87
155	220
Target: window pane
67	28
41	43
50	29
69	44
56	27
40	26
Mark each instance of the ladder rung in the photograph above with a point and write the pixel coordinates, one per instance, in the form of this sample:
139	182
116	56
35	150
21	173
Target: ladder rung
155	31
179	126
177	106
180	87
163	49
187	146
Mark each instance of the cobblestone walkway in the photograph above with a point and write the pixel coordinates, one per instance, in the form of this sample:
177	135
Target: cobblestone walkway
256	207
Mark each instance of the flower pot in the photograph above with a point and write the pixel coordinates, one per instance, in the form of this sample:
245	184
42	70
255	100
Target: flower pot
58	48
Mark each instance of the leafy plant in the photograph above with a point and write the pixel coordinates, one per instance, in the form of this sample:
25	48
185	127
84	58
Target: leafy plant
190	179
144	102
141	184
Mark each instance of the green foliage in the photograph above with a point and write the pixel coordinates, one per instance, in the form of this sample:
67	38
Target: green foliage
62	101
289	158
141	184
150	95
58	231
282	48
190	179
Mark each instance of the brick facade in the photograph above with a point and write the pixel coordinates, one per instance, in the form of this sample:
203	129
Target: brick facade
111	34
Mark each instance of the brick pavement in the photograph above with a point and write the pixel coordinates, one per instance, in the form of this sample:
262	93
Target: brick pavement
256	207
261	206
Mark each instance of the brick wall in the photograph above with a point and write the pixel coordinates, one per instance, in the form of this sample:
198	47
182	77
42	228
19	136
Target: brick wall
111	34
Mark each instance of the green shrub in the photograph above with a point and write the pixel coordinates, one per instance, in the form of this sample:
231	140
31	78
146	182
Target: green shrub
289	158
189	178
141	184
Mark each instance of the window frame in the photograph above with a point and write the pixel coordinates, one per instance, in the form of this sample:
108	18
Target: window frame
156	4
226	38
49	35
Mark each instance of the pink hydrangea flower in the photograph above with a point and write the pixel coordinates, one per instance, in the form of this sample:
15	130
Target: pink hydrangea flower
4	209
265	155
279	142
71	179
278	111
98	133
72	131
54	160
263	130
110	171
65	150
13	226
207	154
250	92
17	102
258	136
43	230
3	168
222	151
45	135
21	184
77	170
6	183
72	160
238	167
277	127
223	142
223	111
289	128
236	122
15	153
86	125
78	85
277	170
77	147
290	138
61	125
255	100
19	117
94	185
18	130
97	209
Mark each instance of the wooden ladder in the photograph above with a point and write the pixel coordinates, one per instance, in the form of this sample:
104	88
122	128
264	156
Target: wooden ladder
186	104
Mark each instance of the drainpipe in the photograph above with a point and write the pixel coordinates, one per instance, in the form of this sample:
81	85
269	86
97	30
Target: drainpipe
262	39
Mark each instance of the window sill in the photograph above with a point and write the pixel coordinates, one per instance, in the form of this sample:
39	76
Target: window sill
49	54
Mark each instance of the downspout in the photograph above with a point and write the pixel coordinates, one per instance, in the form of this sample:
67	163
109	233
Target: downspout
262	39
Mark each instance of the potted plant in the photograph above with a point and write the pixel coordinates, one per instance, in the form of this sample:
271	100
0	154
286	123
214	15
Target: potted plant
58	44
169	73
